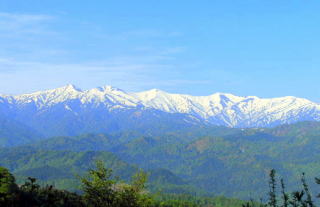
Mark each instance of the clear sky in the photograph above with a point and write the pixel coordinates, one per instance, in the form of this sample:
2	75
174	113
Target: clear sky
267	48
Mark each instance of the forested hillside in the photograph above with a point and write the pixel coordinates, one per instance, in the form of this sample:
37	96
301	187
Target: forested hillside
218	160
99	188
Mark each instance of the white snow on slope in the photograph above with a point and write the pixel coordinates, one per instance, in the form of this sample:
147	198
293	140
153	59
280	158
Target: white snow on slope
219	108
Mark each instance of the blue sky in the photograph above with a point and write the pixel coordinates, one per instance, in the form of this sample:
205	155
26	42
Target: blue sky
263	48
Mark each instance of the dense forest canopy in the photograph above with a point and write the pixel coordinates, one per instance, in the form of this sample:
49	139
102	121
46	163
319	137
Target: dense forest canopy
99	188
193	160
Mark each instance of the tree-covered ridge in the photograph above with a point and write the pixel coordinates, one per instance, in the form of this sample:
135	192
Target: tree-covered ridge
99	188
232	162
61	168
236	164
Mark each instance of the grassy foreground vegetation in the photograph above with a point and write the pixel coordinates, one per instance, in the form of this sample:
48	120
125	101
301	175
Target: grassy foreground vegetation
99	188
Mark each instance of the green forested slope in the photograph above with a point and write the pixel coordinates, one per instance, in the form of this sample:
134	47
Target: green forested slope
59	167
62	168
13	133
223	161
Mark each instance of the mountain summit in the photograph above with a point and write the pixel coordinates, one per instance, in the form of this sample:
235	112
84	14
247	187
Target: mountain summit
111	107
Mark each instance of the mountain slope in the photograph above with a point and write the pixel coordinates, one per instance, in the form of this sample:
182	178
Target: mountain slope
71	111
235	164
224	161
62	168
14	133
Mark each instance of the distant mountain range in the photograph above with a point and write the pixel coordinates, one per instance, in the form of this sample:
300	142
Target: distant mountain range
221	144
71	111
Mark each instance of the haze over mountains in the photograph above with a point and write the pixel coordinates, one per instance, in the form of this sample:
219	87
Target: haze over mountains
71	111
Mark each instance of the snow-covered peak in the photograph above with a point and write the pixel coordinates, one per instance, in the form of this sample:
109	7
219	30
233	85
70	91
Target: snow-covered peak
108	88
150	94
70	88
49	97
225	98
218	108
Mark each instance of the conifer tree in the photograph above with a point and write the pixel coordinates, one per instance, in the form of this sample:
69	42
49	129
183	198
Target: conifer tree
308	201
285	196
98	187
272	189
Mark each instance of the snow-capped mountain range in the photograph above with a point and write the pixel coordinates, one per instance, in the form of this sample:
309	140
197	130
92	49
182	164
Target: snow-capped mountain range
71	105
